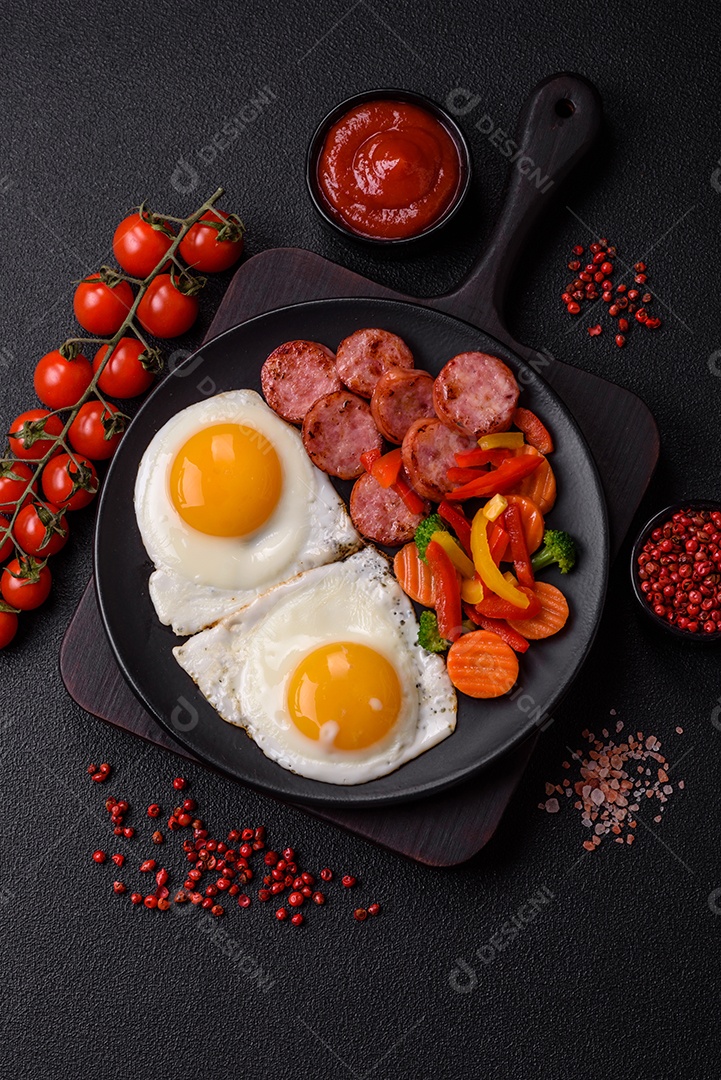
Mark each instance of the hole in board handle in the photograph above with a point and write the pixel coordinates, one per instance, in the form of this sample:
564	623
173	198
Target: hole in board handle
565	108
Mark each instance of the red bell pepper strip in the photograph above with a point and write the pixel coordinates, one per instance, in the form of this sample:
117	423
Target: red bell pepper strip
386	469
457	475
500	480
474	458
414	502
536	432
493	607
519	548
497	626
498	542
369	457
446	592
457	520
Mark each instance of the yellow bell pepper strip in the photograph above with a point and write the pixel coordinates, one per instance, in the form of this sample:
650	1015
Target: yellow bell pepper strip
489	572
501	480
472	590
446	592
458	557
519	548
502	440
495	507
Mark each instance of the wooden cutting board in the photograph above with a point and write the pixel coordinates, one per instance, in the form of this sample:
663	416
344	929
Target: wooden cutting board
449	828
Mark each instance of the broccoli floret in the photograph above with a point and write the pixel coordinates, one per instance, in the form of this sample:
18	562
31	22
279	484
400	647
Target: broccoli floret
425	531
558	547
428	636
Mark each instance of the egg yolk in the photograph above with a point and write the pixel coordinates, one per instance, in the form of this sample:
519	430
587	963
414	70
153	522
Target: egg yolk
350	687
226	480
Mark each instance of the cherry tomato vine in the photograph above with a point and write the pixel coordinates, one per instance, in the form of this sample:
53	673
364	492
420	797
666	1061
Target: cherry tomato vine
55	448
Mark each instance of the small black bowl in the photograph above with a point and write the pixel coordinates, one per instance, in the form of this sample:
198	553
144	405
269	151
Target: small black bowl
657	520
316	146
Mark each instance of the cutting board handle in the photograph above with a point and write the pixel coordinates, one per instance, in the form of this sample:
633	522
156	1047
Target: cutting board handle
559	121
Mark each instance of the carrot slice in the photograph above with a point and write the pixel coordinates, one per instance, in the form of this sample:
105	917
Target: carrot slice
531	519
481	665
550	619
540	486
536	432
414	576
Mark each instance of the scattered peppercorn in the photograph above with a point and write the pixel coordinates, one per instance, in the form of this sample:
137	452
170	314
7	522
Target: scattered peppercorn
231	867
360	914
597	275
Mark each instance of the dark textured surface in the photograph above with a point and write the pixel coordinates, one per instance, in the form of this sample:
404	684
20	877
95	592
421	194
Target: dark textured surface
618	972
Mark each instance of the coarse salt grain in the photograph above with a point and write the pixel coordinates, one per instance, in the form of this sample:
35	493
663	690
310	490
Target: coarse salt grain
604	784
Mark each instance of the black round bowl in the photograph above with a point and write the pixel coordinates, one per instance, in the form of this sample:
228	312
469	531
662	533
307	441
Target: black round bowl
657	520
316	145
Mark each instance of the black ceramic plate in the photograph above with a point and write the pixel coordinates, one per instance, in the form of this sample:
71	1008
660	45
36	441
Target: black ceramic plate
486	729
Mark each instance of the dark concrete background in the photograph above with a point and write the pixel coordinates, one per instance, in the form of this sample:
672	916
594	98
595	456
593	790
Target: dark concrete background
619	972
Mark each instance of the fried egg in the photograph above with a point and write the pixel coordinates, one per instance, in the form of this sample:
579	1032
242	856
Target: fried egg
228	504
324	674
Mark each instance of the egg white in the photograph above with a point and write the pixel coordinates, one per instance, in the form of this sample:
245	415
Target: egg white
199	578
244	664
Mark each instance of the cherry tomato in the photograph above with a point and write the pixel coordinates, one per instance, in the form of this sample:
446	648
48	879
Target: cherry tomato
165	311
11	491
60	383
6	547
8	627
88	433
30	530
59	476
124	375
213	247
26	449
29	591
99	308
140	241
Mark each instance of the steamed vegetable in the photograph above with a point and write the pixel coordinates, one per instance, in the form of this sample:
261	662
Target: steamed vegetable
429	637
425	531
558	549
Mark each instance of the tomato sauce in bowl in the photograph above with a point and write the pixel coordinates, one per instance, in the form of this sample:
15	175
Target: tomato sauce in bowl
388	168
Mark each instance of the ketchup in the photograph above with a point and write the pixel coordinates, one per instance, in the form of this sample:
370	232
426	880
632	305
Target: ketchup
389	170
